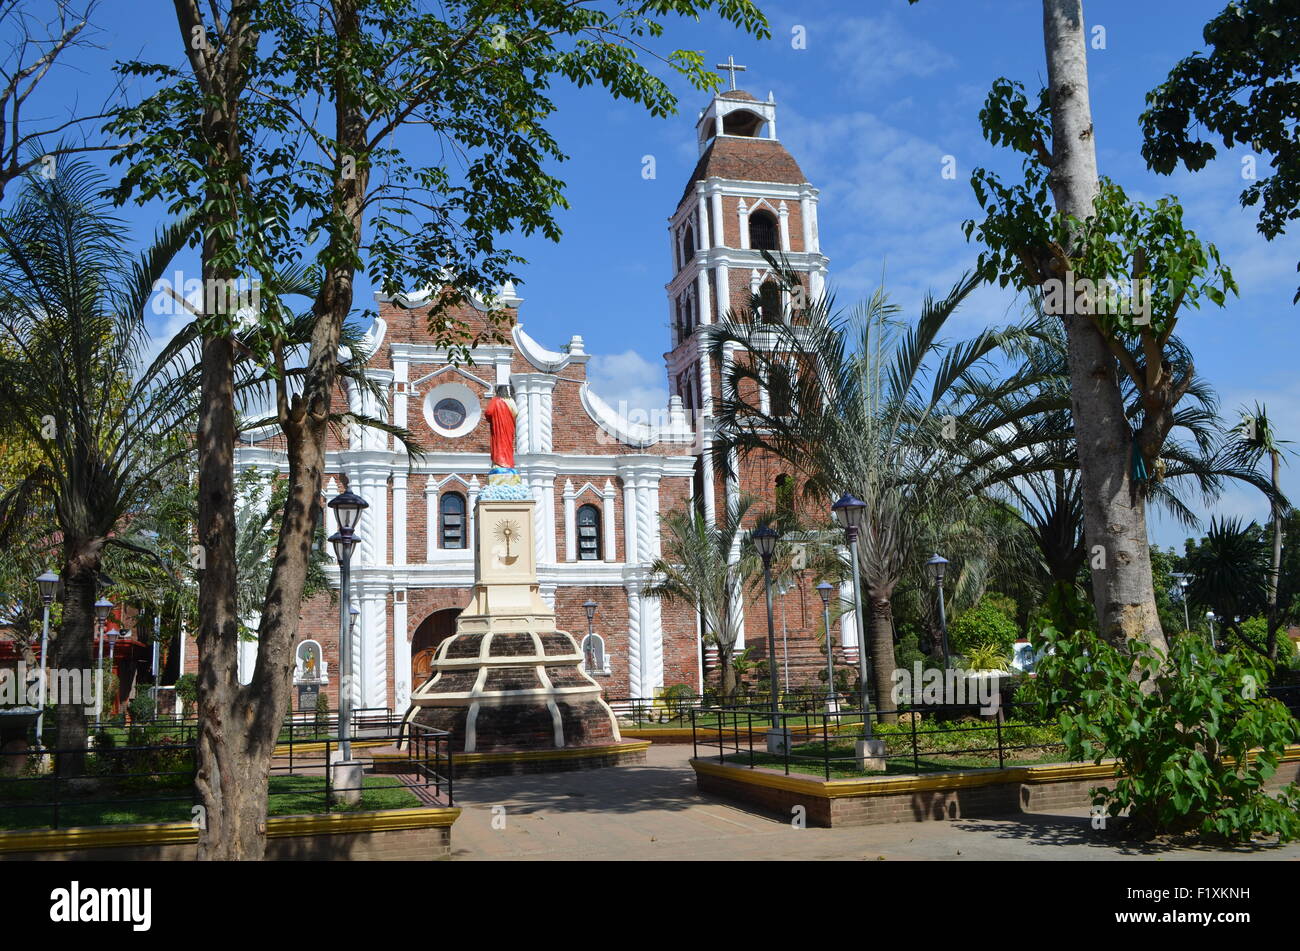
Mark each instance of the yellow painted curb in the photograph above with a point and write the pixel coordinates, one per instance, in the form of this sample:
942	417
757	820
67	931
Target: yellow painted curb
929	782
98	837
384	820
183	833
283	749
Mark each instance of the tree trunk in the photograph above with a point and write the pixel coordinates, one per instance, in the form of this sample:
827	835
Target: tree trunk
1113	506
880	640
260	708
726	675
233	811
74	651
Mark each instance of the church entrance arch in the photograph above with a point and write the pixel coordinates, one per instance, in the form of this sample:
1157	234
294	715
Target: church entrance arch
433	630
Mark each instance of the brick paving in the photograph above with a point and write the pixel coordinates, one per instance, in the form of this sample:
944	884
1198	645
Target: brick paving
653	812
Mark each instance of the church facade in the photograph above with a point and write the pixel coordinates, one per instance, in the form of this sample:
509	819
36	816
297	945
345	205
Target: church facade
602	478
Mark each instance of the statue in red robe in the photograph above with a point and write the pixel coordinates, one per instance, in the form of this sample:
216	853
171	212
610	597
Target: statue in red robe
501	413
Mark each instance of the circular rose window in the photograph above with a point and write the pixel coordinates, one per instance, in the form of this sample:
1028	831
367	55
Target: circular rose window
450	413
452	409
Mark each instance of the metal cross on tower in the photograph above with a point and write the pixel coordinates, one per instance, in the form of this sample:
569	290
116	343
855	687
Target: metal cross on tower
731	67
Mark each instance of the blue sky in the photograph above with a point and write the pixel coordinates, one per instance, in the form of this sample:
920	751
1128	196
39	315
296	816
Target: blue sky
881	93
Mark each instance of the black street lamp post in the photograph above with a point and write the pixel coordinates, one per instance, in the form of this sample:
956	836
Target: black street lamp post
825	589
765	539
347	508
103	607
938	565
851	513
589	654
48	584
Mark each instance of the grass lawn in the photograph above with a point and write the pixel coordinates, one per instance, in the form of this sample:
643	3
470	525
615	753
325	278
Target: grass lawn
24	805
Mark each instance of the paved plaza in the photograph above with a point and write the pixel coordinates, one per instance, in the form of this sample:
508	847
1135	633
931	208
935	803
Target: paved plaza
654	812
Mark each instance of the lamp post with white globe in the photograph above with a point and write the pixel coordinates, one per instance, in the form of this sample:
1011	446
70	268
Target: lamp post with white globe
347	508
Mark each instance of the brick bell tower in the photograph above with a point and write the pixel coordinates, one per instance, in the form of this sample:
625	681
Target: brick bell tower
747	195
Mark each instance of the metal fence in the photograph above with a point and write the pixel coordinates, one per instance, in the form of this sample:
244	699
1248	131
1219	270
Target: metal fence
155	781
935	737
674	712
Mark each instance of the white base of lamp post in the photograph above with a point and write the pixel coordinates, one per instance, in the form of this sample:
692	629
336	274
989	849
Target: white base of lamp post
778	740
870	755
345	780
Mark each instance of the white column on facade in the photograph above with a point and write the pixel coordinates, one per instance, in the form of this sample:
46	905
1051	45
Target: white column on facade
401	387
719	238
652	646
724	290
402	685
523	422
812	214
632	553
430	519
399	518
702	221
742	221
373	526
635	671
816	281
702	294
372	674
805	214
534	391
783	214
607	522
541	524
548	500
706	460
472	506
331	521
570	524
848	623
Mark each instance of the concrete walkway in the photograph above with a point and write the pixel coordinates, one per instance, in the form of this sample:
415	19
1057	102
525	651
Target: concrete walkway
653	812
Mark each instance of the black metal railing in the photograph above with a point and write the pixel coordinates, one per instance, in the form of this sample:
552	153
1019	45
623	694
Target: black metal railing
933	737
674	711
156	781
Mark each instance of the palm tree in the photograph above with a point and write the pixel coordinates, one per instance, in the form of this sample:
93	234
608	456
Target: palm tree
855	404
707	567
1229	570
72	301
1258	439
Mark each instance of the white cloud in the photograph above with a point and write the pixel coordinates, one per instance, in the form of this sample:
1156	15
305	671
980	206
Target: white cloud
628	381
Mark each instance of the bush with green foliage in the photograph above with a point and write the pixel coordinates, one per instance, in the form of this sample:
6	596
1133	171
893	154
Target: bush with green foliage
987	657
982	624
322	711
187	688
142	708
1195	737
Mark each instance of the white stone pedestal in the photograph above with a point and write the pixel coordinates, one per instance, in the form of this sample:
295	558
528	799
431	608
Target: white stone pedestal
345	779
778	741
870	755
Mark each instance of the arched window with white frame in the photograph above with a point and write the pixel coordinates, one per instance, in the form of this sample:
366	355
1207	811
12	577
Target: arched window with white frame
594	658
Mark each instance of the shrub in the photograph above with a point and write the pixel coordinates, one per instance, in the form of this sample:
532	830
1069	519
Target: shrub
987	657
984	624
143	709
187	688
1182	726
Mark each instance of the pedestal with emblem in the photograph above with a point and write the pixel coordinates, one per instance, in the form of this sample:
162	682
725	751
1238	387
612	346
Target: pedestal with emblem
508	680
